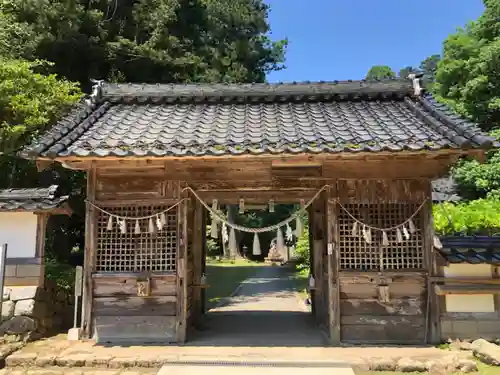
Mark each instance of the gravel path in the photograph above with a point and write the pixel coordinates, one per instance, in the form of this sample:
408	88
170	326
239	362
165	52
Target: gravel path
264	312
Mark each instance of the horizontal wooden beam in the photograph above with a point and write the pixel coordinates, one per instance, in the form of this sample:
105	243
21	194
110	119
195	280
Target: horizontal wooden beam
442	290
456	280
302	157
257	196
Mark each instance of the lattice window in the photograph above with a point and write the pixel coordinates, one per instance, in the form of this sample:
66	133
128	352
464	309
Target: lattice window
356	254
130	252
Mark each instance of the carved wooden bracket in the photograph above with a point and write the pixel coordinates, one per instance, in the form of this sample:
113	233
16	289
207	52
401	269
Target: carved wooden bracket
144	286
180	267
383	283
381	280
383	293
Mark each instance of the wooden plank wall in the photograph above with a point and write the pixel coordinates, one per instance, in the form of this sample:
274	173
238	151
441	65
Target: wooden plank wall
121	316
364	318
366	315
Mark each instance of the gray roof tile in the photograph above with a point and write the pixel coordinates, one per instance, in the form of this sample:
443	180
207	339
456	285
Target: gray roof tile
177	120
32	199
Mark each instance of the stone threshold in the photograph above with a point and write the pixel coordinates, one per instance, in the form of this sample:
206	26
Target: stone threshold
448	364
78	371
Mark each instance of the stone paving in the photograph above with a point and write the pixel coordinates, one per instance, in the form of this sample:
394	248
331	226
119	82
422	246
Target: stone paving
275	327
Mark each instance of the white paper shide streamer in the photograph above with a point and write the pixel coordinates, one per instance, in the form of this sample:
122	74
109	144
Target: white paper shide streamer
256	245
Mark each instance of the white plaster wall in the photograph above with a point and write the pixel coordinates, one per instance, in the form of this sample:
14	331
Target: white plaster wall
18	230
469	303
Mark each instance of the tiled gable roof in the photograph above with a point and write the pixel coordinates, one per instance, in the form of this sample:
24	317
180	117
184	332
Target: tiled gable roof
32	199
326	117
471	249
444	190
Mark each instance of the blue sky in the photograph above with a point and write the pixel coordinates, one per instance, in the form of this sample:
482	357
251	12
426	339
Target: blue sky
342	39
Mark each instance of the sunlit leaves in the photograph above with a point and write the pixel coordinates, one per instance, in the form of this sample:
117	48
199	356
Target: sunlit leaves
29	101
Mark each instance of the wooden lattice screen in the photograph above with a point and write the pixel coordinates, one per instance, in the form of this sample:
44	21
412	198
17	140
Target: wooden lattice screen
356	254
130	252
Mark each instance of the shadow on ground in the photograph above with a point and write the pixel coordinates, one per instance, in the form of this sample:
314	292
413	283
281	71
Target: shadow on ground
259	329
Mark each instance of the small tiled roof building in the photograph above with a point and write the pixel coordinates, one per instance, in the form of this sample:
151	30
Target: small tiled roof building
23	218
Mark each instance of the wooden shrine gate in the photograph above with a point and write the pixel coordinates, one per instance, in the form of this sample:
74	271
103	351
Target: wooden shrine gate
146	283
377	145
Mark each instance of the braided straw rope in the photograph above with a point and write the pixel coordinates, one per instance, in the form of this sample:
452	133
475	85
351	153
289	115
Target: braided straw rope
270	228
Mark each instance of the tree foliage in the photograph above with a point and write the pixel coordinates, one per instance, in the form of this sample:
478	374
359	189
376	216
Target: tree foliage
480	216
29	101
427	68
468	77
174	41
479	180
152	41
379	72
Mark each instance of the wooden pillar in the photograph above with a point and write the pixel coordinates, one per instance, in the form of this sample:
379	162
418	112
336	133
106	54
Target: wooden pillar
90	251
311	212
433	308
203	256
182	269
41	229
198	253
496	275
333	280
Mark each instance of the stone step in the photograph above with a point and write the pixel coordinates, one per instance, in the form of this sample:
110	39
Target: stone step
77	371
229	369
87	360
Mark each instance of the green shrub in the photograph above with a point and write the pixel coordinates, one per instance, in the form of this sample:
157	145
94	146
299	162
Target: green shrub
302	251
62	274
481	216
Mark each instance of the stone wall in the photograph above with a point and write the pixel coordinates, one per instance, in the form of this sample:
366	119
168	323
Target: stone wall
31	312
470	327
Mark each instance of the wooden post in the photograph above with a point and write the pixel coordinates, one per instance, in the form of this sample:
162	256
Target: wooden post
197	259
89	255
333	285
41	229
182	269
203	256
320	292
433	308
3	261
495	275
78	293
311	255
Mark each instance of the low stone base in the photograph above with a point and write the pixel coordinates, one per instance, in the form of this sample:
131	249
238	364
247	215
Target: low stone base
31	312
58	351
273	261
74	334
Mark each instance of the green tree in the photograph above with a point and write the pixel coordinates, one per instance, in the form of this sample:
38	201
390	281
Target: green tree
479	180
174	41
468	77
428	68
406	71
378	72
29	101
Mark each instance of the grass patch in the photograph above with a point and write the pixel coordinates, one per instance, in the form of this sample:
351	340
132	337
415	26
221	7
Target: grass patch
483	369
224	276
301	282
487	370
